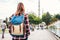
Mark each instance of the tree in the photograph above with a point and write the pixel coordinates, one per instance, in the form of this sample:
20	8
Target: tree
34	19
53	19
46	17
57	16
37	20
31	18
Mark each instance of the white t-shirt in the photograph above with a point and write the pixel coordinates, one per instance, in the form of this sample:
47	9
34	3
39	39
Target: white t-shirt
3	25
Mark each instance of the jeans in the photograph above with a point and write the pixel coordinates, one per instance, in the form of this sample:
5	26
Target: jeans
3	30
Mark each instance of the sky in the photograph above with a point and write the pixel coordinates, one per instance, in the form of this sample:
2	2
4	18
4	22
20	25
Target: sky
8	7
52	6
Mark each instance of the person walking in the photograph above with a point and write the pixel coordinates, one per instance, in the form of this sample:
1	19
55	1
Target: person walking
41	27
3	26
19	24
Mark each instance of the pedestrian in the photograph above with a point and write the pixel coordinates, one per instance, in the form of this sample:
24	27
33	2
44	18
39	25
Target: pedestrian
41	27
3	26
19	26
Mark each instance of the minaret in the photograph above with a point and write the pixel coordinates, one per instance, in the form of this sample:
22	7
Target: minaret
38	8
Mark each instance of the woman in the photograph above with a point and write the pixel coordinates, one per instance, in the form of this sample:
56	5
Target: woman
20	10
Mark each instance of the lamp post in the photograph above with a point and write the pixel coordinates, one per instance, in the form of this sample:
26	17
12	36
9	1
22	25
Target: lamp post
38	8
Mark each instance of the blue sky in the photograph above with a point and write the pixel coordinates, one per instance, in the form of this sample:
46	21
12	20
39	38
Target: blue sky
8	7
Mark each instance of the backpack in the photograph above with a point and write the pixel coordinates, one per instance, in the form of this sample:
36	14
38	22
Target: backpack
16	20
17	27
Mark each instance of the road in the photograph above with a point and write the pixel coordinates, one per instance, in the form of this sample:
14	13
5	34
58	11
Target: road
35	35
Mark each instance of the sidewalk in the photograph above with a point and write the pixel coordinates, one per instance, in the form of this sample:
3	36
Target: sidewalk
42	35
35	35
7	37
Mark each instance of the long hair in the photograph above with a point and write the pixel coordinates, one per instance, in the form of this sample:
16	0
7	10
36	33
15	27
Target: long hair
20	9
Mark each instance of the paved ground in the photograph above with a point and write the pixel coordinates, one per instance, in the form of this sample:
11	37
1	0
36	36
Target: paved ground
35	35
42	35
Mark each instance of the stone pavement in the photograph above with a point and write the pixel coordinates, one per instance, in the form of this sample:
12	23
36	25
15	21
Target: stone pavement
35	35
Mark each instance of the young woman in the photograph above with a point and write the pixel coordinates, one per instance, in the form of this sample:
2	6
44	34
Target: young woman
20	10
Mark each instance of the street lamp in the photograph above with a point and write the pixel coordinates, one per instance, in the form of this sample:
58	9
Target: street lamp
38	8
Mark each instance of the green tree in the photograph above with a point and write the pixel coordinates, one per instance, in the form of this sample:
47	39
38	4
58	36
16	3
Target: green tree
57	16
37	20
53	19
46	17
34	19
31	18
